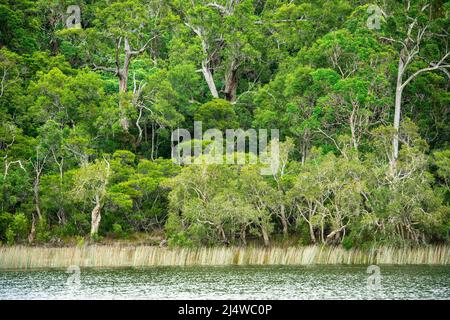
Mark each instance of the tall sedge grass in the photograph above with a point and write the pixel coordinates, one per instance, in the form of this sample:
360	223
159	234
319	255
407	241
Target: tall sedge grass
23	258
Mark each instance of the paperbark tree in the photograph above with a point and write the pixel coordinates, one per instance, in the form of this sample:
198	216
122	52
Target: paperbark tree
91	182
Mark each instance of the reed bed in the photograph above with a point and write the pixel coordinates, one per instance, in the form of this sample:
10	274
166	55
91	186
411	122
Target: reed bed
24	258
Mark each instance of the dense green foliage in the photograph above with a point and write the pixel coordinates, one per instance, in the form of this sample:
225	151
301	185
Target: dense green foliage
86	117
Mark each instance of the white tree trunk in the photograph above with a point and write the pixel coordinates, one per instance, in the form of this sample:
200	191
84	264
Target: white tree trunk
397	111
265	235
32	234
209	80
95	216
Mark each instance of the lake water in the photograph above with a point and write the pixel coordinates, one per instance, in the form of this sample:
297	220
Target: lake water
272	282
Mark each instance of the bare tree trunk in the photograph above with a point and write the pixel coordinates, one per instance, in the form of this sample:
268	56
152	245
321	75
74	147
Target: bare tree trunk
322	231
284	220
37	199
335	236
223	235
209	79
353	129
243	236
32	234
152	157
61	216
38	166
265	236
95	216
206	71
231	82
123	82
397	111
308	221
311	233
122	74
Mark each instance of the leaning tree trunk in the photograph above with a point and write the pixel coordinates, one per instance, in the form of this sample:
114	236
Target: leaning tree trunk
335	236
209	79
311	233
95	217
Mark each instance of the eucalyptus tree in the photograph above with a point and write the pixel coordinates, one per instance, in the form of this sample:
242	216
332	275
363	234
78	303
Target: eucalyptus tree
415	32
123	27
228	37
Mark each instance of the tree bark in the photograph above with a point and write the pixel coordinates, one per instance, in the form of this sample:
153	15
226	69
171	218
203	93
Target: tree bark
222	234
206	71
96	216
209	80
32	234
284	221
335	235
397	110
265	236
37	199
243	236
122	74
311	233
231	82
353	129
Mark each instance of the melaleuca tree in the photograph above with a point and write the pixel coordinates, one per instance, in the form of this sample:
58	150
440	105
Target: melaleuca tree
90	187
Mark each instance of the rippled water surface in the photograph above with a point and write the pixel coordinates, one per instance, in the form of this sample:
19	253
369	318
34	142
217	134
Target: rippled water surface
315	282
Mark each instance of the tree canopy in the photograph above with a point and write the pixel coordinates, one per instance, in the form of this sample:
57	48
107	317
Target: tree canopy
87	114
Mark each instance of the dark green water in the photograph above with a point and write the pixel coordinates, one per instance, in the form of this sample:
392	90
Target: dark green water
315	282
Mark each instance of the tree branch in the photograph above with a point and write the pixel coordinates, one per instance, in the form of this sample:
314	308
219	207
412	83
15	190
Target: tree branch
436	66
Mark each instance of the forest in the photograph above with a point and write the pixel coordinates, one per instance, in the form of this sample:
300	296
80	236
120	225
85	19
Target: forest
357	89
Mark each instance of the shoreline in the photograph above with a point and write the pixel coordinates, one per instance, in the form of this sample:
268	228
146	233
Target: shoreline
112	256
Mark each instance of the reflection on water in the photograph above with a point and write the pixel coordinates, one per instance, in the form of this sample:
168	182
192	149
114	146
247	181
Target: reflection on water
315	282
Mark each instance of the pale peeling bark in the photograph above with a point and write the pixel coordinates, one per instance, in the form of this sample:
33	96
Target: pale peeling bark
397	110
206	71
96	216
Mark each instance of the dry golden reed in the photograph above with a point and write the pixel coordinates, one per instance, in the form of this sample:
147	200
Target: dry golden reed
22	258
